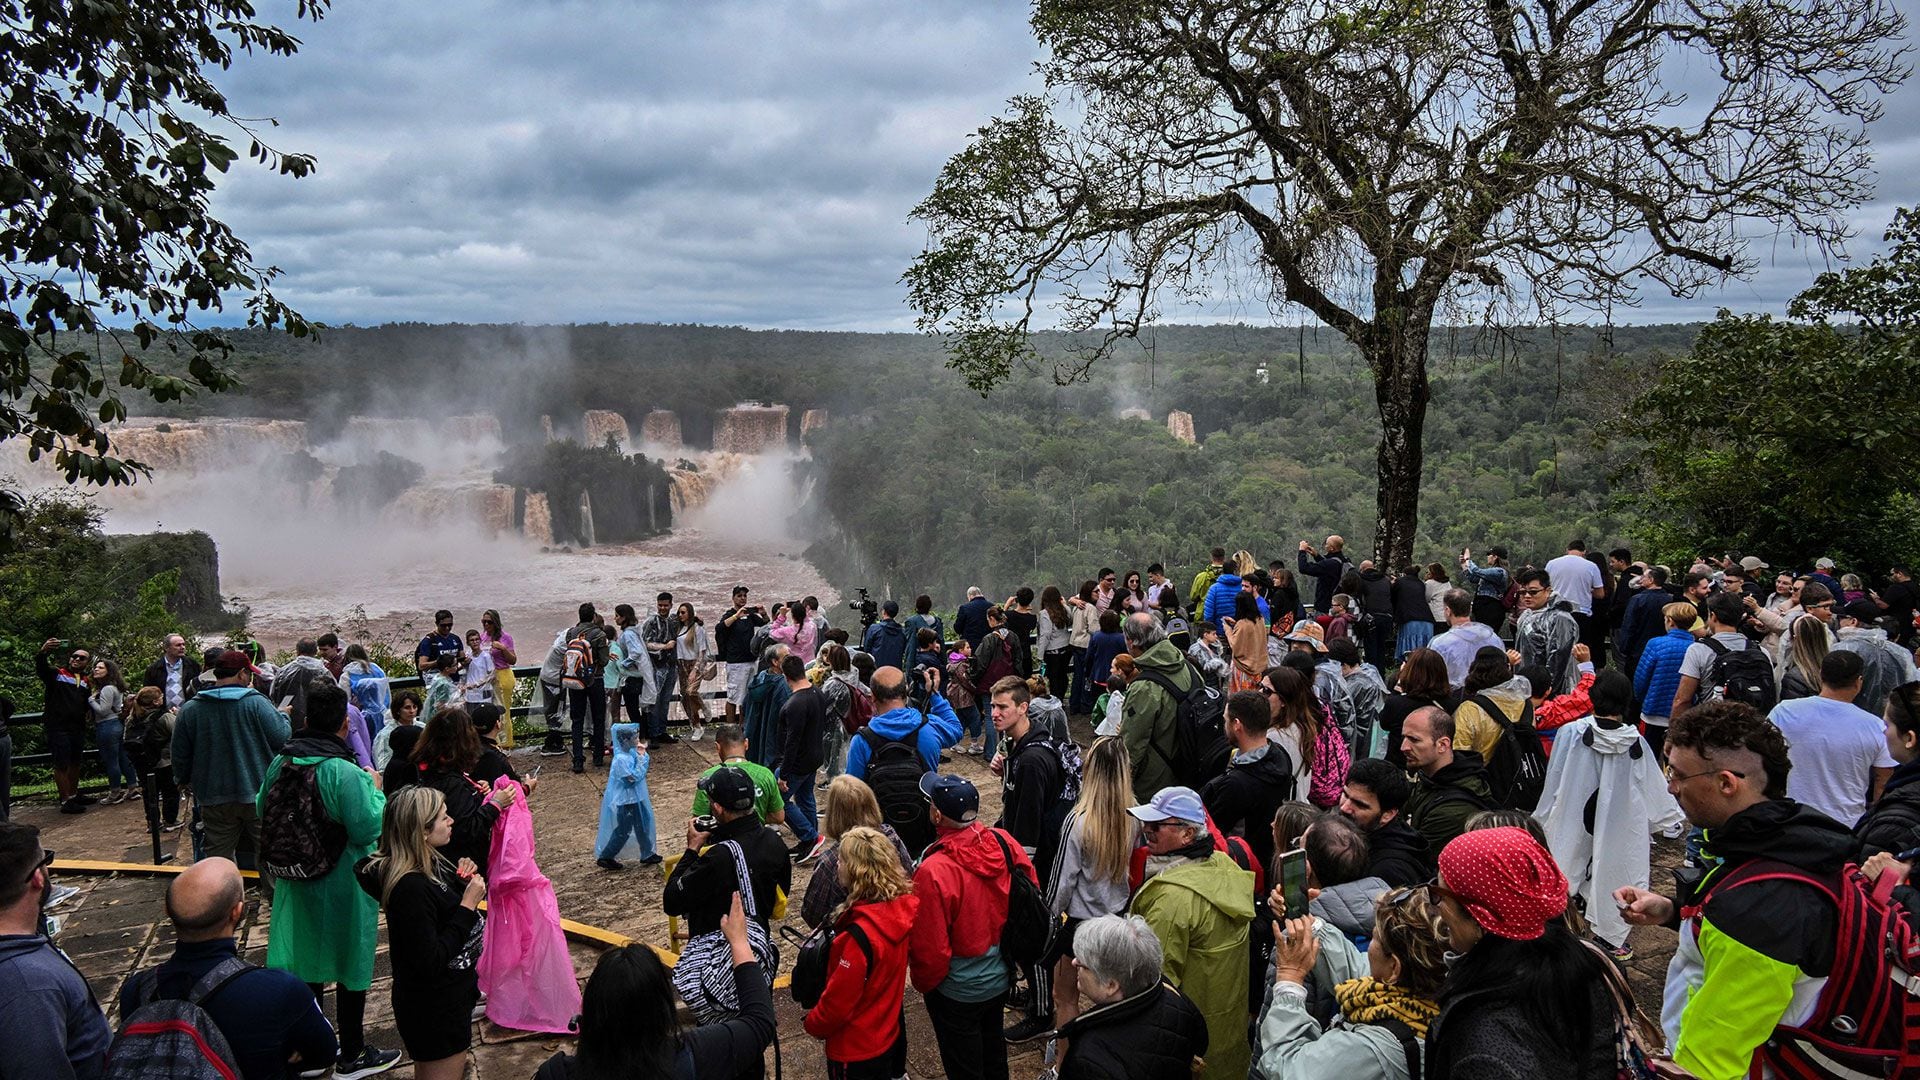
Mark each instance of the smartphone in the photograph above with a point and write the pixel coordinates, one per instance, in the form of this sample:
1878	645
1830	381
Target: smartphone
1293	881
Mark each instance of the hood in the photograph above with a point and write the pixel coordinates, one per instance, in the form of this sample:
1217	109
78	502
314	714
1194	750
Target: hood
1785	830
1216	880
850	677
1904	775
889	628
1467	771
1372	574
1267	767
887	920
898	722
20	944
1231	581
1512	694
1862	633
974	850
1163	658
229	693
1397	835
364	667
1350	906
310	745
1610	741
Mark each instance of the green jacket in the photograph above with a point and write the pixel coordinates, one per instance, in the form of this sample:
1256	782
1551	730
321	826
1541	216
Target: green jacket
1146	719
1202	581
222	739
1438	806
1200	911
324	930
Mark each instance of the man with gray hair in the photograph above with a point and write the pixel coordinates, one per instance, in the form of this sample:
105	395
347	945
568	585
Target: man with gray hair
1147	715
1139	1027
970	621
766	693
1199	904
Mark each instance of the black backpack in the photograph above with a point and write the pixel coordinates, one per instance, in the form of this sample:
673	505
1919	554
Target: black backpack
894	769
811	960
1199	722
1028	931
1517	768
1742	675
298	840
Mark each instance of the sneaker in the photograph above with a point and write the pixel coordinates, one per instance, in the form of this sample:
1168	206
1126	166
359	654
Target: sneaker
369	1062
608	864
60	894
553	751
799	851
945	759
697	732
1621	955
115	798
652	860
1018	996
1033	1027
579	769
813	854
173	826
73	806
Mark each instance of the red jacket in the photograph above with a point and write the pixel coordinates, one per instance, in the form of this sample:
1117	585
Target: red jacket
1555	713
962	886
859	1012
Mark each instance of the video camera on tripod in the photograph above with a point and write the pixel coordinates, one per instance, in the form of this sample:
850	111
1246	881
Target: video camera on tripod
869	611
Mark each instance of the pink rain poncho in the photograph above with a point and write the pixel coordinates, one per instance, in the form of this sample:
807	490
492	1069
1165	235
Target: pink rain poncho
525	969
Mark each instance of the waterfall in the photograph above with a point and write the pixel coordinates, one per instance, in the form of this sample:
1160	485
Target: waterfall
537	523
811	421
471	428
586	519
601	423
1180	426
1135	413
661	427
546	428
750	429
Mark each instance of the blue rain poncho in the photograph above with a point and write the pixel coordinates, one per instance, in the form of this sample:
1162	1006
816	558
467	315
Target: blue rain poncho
626	810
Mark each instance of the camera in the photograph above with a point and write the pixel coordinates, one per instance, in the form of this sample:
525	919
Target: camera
706	823
869	611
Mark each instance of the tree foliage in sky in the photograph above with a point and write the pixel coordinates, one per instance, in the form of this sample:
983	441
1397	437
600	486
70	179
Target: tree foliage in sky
1379	163
112	136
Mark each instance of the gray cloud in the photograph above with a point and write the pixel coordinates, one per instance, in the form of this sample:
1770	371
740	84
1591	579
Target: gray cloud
733	161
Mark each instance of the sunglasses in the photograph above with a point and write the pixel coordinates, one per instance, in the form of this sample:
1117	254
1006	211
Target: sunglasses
46	860
1532	592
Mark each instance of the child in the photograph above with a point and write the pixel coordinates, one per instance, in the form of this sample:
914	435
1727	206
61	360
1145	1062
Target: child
476	687
1207	656
443	688
1109	707
960	693
626	810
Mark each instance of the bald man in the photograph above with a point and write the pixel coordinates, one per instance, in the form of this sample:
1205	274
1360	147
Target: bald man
269	1017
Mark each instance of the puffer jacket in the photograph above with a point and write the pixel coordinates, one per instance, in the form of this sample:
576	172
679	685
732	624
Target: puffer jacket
1150	1036
1657	678
858	1014
1892	823
1220	598
1349	906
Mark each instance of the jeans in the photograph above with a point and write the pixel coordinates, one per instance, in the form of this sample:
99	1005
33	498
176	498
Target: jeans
972	1046
593	700
802	818
1080	703
109	736
635	820
555	700
6	776
663	677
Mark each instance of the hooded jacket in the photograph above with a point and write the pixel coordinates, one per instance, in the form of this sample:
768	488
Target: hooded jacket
1439	805
941	731
1242	800
858	1013
325	930
1220	598
1398	855
1147	718
1200	911
1150	1036
223	741
1410	600
1657	678
962	884
1349	906
1376	594
1893	822
1887	665
886	641
1757	955
54	1027
1546	637
1474	730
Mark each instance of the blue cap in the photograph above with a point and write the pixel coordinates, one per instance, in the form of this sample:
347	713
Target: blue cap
1172	804
954	796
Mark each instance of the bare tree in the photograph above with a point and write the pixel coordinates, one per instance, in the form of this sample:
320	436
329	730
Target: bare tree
1386	162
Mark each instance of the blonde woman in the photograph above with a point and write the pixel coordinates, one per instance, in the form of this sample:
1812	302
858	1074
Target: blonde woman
1088	878
859	1013
691	649
434	930
850	805
1808	644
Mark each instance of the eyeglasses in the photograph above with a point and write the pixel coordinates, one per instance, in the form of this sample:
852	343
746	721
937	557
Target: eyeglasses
1437	892
1667	770
46	860
1821	604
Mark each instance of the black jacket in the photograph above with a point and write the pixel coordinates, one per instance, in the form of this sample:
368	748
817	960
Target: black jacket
970	622
1376	595
734	643
1031	791
1410	601
433	948
803	717
1326	574
1242	800
473	815
1398	855
702	886
721	1050
189	671
1893	822
1150	1036
1485	1034
66	700
1439	806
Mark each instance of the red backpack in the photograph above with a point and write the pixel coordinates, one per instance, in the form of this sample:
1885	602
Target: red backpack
1866	1021
859	707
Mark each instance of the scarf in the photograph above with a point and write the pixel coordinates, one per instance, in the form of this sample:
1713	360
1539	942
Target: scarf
1366	1001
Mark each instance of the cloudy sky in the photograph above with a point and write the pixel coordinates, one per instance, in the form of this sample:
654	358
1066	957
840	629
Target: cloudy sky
730	161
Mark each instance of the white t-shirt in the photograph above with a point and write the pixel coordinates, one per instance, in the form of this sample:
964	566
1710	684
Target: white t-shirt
1573	579
1699	658
1834	746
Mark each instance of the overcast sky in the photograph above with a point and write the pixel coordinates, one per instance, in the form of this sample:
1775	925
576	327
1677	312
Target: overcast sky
729	161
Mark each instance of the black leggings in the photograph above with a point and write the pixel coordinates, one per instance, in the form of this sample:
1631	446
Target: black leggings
352	1005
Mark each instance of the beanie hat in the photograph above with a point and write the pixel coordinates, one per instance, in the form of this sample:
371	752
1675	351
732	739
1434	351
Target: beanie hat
1506	880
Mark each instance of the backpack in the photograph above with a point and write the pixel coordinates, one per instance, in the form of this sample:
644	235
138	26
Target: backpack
1866	1021
1742	675
1236	848
995	667
174	1038
576	665
894	769
1199	720
812	960
149	736
1028	931
1517	768
298	839
859	707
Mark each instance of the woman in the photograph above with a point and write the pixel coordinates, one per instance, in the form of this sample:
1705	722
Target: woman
1054	628
150	724
1048	714
107	702
434	930
1296	724
690	648
1131	597
1807	646
1023	626
1247	643
859	1014
1396	1000
1524	998
1106	644
796	630
637	685
499	646
1422	681
405	714
1088	878
1438	584
1892	823
1283	602
1851	589
1085	616
850	805
448	749
1139	1026
630	1028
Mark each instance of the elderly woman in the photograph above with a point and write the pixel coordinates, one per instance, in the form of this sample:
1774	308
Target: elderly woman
1138	1027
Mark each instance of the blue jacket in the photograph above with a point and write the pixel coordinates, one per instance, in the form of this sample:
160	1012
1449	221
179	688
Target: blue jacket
886	641
942	731
970	621
224	740
1658	677
1220	599
1641	622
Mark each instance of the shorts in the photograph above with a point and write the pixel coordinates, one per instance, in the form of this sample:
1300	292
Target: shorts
738	675
65	744
1062	944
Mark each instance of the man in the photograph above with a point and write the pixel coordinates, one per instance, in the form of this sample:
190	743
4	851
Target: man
1365	690
328	645
1840	758
64	718
1464	637
442	642
1626	585
970	621
1448	786
268	1017
703	882
1199	903
886	640
731	743
553	696
1326	571
659	632
803	719
1576	581
325	929
1756	956
1203	581
590	699
1374	799
1901	597
953	952
760	707
1104	589
1033	805
1259	777
895	721
1489	585
1695	586
1825	574
1643	618
295	677
1724	616
1147	712
174	673
1158	587
1376	603
223	742
733	647
54	1028
1547	630
1886	665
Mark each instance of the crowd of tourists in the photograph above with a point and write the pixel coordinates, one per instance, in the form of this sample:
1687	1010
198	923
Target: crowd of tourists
1301	818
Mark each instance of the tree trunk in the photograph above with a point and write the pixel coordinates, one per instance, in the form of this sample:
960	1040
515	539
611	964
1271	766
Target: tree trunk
1398	359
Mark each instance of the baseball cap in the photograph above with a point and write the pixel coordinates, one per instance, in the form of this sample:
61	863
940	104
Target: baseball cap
954	796
1823	564
1170	804
1752	563
1863	609
231	663
729	788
